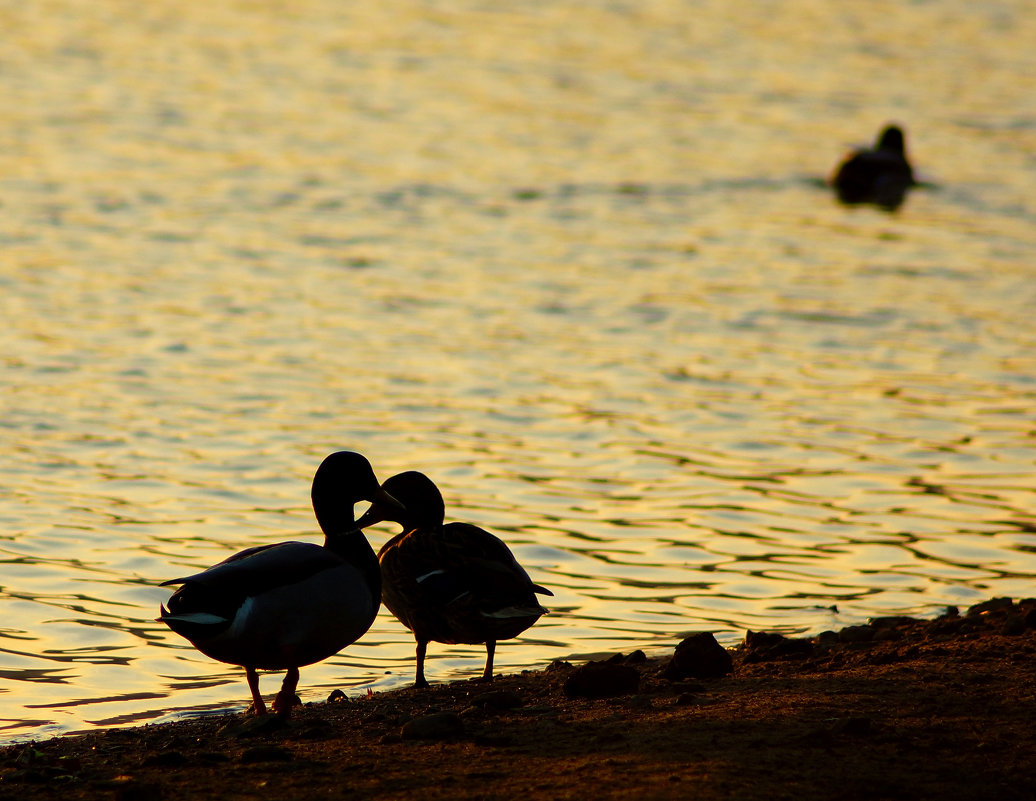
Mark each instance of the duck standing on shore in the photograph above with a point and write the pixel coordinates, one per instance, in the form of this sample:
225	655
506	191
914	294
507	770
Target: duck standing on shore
283	606
453	583
881	175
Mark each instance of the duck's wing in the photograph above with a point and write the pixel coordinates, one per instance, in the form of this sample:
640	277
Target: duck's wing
461	562
208	601
490	565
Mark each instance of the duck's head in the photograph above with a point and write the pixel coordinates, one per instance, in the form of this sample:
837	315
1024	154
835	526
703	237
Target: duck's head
342	480
418	503
891	139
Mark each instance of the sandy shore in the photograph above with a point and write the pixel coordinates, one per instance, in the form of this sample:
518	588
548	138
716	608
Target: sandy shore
898	709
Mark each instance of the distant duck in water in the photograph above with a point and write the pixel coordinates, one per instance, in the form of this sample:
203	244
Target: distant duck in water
880	176
453	583
279	607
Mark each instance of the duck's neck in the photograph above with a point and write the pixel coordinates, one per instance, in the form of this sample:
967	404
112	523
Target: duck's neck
353	548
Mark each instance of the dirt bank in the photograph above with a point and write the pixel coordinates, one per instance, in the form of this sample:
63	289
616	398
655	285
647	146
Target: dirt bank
898	709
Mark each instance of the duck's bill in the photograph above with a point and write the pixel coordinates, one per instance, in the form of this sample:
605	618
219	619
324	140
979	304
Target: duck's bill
383	507
382	497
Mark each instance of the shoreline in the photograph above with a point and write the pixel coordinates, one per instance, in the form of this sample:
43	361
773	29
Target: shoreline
897	708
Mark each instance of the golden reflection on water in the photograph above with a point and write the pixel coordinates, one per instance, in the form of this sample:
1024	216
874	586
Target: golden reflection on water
570	260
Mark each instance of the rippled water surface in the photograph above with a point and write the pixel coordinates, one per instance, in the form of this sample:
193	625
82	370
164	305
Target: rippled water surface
574	260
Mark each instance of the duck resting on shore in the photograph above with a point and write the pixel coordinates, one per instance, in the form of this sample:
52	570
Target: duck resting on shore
453	583
291	604
881	175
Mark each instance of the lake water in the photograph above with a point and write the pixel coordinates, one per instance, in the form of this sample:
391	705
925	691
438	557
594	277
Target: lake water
573	260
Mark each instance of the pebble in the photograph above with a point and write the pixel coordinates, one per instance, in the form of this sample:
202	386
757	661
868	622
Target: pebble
494	740
699	657
266	753
256	727
853	726
992	605
856	634
637	657
602	680
762	646
166	759
498	699
438	726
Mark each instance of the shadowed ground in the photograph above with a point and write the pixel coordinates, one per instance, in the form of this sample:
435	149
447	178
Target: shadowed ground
899	709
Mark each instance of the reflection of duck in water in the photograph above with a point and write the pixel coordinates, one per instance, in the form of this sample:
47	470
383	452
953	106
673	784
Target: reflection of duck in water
453	583
880	176
279	607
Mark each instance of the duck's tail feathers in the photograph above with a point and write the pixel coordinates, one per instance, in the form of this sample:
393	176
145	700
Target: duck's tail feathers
516	611
192	624
536	588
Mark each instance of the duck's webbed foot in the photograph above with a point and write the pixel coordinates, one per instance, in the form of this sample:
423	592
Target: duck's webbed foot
286	698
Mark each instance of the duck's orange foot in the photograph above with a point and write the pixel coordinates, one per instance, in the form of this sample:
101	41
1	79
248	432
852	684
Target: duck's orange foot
256	710
283	703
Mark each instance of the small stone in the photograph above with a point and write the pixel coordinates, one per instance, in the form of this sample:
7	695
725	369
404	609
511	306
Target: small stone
257	727
498	699
699	657
853	726
337	697
856	634
992	605
538	709
316	730
686	699
126	788
945	626
266	753
763	646
826	640
167	759
1014	625
494	740
891	621
602	680
438	726
637	657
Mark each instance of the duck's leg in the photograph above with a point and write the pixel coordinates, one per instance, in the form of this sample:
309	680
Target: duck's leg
422	648
487	674
258	706
285	699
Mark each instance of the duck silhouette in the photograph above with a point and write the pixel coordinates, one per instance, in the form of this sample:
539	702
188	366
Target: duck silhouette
452	583
880	175
283	606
